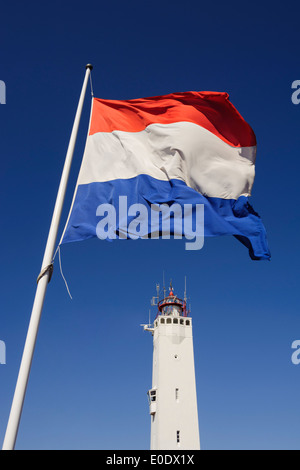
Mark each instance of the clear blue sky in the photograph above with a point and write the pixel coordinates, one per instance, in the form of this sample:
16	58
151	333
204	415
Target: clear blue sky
93	362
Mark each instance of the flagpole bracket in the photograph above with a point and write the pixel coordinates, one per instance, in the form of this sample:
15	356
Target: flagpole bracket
47	269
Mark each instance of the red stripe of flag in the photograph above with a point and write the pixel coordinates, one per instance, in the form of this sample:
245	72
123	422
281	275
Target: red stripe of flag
211	110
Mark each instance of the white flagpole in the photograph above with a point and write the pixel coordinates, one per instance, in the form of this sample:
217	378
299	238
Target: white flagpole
42	283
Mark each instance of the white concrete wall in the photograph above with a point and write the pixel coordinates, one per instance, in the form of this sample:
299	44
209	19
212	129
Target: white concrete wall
173	369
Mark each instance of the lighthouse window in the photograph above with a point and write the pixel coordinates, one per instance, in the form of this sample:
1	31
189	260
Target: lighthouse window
152	396
176	310
162	320
175	320
181	321
187	323
178	436
169	320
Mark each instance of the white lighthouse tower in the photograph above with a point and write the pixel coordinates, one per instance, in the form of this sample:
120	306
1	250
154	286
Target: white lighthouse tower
172	398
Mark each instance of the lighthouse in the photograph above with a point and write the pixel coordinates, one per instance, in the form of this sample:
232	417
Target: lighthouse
172	398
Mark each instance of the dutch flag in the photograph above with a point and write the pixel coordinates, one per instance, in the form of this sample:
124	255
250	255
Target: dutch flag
181	149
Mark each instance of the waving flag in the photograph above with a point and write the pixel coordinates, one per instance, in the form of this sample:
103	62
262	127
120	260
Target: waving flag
174	151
